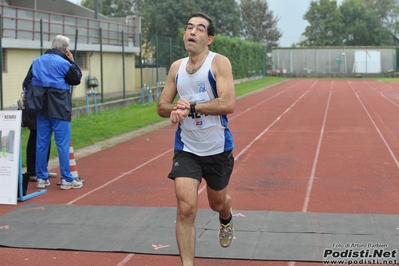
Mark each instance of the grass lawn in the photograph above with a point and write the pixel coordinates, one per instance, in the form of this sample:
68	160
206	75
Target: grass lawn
389	79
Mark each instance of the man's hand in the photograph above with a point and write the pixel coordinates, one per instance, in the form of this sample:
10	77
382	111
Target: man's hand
178	115
182	104
180	111
69	55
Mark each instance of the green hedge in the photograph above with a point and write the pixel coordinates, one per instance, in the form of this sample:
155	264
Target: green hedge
245	56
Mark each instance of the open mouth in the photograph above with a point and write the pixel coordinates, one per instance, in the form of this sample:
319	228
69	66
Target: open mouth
191	40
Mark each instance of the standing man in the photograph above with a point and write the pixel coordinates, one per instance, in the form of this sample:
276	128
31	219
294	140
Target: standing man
203	143
31	152
29	121
49	82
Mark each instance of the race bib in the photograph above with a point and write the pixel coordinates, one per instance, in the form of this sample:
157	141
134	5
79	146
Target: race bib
198	121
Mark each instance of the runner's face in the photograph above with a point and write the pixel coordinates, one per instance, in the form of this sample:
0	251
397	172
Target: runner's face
196	35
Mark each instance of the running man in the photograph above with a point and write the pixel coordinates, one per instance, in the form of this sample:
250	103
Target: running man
203	143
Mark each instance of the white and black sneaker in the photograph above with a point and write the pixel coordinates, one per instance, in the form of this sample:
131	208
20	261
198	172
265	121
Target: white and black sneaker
41	183
68	185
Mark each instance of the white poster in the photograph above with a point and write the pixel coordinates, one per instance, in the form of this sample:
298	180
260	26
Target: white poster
10	141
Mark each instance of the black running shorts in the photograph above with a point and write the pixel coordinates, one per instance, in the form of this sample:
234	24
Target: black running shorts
215	169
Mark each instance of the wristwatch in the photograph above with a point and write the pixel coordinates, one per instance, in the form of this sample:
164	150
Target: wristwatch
192	107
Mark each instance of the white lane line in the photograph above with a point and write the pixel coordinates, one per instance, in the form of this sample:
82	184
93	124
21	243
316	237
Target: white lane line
202	188
254	106
261	103
119	177
382	92
125	260
376	127
316	158
379	132
274	122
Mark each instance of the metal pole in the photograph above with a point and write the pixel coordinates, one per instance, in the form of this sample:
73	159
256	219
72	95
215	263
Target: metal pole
95	102
170	51
75	53
87	103
1	62
101	65
96	9
123	64
141	62
142	93
264	61
156	56
41	36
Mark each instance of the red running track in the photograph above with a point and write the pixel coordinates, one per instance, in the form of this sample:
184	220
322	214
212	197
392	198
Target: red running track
326	146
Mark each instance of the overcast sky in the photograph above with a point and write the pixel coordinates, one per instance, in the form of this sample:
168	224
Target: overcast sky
291	22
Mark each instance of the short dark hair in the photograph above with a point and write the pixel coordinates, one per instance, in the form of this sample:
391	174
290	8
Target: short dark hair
210	28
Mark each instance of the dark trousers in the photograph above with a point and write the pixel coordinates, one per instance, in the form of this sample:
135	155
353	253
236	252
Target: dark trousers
31	153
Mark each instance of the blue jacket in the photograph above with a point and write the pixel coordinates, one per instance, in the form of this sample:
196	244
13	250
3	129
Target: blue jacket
47	85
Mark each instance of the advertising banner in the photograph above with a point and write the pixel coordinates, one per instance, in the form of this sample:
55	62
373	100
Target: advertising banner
10	141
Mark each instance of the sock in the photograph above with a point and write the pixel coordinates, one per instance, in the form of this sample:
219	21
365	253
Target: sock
223	221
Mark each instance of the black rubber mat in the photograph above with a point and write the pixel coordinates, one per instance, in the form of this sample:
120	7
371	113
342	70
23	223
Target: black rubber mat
260	235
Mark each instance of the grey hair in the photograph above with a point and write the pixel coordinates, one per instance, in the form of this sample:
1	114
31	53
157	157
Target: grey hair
60	42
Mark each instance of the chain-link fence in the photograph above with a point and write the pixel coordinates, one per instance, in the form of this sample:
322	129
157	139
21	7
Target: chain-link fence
153	64
156	57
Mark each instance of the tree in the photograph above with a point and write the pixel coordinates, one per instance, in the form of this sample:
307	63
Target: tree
111	8
164	17
361	24
226	22
259	23
167	18
170	23
355	22
387	12
325	28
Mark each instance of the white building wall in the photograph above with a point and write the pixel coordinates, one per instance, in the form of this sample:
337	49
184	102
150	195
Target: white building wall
18	62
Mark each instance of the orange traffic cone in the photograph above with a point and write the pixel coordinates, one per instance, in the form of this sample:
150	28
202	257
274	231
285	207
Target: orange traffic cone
72	163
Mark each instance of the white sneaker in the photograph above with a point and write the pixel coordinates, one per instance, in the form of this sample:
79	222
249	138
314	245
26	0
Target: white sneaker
41	183
77	179
52	175
68	185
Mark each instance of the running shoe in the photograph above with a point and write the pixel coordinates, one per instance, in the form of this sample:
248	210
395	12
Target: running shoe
226	234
